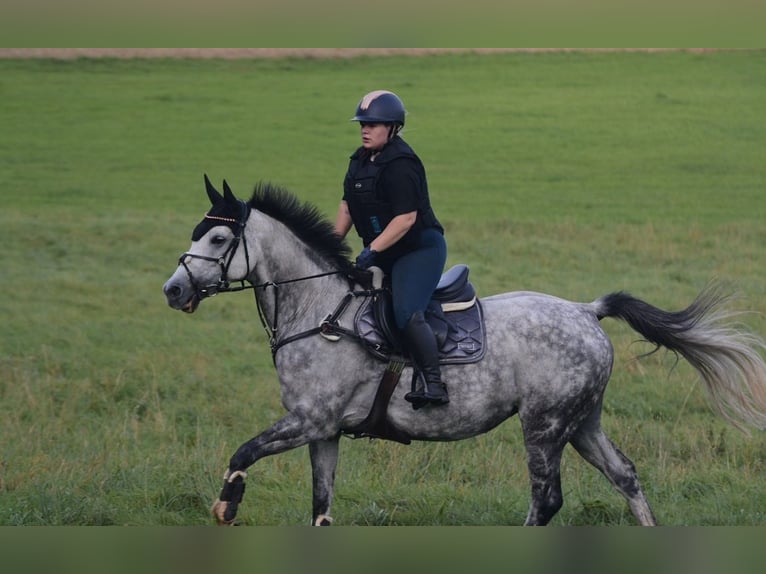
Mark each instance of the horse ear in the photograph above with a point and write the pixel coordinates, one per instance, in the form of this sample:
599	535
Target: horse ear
212	193
228	195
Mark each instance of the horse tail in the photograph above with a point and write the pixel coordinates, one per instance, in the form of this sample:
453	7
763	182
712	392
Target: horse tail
726	355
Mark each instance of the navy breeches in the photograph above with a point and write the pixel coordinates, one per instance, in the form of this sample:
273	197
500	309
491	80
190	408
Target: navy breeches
415	275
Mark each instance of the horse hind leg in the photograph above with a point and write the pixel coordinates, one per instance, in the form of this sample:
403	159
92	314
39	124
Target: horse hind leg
544	441
544	464
595	447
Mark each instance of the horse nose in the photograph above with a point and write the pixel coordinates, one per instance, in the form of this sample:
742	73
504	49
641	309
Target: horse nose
172	291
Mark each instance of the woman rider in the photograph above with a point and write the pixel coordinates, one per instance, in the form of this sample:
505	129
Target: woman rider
385	198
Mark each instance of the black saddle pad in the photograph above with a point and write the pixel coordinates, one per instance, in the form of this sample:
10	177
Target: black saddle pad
461	334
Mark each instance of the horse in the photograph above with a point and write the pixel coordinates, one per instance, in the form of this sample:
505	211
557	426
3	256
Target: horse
546	360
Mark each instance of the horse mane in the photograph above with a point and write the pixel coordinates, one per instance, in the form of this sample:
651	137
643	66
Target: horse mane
305	221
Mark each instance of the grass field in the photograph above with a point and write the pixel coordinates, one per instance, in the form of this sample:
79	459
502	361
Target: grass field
570	173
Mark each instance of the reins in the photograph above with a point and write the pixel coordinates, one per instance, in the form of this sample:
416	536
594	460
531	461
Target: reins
272	328
328	327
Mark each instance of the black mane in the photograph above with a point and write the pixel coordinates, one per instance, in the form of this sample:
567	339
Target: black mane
305	221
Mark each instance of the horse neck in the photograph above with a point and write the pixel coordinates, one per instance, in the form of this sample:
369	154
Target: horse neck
286	264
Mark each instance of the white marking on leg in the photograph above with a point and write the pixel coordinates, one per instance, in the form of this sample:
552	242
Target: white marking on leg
323	518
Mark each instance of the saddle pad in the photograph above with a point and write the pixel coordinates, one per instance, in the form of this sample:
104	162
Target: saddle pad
465	341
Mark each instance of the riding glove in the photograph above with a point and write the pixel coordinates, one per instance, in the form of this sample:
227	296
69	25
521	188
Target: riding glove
366	258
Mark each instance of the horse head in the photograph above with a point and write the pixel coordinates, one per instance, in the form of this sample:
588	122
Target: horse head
214	256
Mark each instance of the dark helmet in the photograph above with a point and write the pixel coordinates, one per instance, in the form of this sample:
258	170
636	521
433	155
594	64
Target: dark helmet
380	106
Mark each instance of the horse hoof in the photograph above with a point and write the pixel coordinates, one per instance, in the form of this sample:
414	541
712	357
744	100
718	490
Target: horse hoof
323	520
218	510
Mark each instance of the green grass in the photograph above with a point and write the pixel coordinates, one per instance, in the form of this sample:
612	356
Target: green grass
574	174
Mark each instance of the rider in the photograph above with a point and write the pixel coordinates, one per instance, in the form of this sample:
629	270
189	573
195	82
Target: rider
385	197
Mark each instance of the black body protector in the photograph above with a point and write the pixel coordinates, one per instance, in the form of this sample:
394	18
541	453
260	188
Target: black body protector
370	204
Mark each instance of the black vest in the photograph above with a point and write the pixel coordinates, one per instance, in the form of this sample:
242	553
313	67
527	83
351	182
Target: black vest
370	206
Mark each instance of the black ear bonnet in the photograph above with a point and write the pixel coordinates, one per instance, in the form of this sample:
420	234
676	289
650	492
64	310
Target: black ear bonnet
226	210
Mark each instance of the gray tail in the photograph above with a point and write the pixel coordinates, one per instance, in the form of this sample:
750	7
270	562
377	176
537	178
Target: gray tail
726	355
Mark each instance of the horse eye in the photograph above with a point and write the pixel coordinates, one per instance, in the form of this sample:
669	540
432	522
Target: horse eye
218	240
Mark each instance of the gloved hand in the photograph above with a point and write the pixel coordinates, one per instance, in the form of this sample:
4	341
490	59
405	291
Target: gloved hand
366	258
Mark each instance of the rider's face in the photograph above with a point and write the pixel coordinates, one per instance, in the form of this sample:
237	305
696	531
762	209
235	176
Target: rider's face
374	136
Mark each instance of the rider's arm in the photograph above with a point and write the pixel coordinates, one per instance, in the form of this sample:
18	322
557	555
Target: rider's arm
394	231
342	220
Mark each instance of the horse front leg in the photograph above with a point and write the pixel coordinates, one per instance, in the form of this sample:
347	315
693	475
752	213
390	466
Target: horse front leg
324	460
292	431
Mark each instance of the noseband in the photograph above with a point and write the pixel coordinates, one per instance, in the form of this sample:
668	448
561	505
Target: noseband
224	261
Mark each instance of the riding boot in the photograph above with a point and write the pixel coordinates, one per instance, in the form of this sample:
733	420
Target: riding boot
420	342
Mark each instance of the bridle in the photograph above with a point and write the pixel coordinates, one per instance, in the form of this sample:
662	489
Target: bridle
224	261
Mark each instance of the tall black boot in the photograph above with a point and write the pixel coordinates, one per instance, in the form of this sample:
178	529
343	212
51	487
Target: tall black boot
420	342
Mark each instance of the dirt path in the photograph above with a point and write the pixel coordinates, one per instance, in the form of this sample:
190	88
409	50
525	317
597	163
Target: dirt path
239	53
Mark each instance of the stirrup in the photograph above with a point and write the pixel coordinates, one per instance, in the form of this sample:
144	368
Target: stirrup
431	394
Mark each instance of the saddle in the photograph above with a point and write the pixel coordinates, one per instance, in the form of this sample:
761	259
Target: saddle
454	314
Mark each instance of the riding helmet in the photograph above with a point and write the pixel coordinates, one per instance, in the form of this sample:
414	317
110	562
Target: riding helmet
380	106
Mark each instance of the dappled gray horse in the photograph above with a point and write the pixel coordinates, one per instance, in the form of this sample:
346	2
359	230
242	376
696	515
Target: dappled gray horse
547	360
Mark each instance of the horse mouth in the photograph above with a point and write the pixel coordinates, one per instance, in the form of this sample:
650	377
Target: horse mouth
191	304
